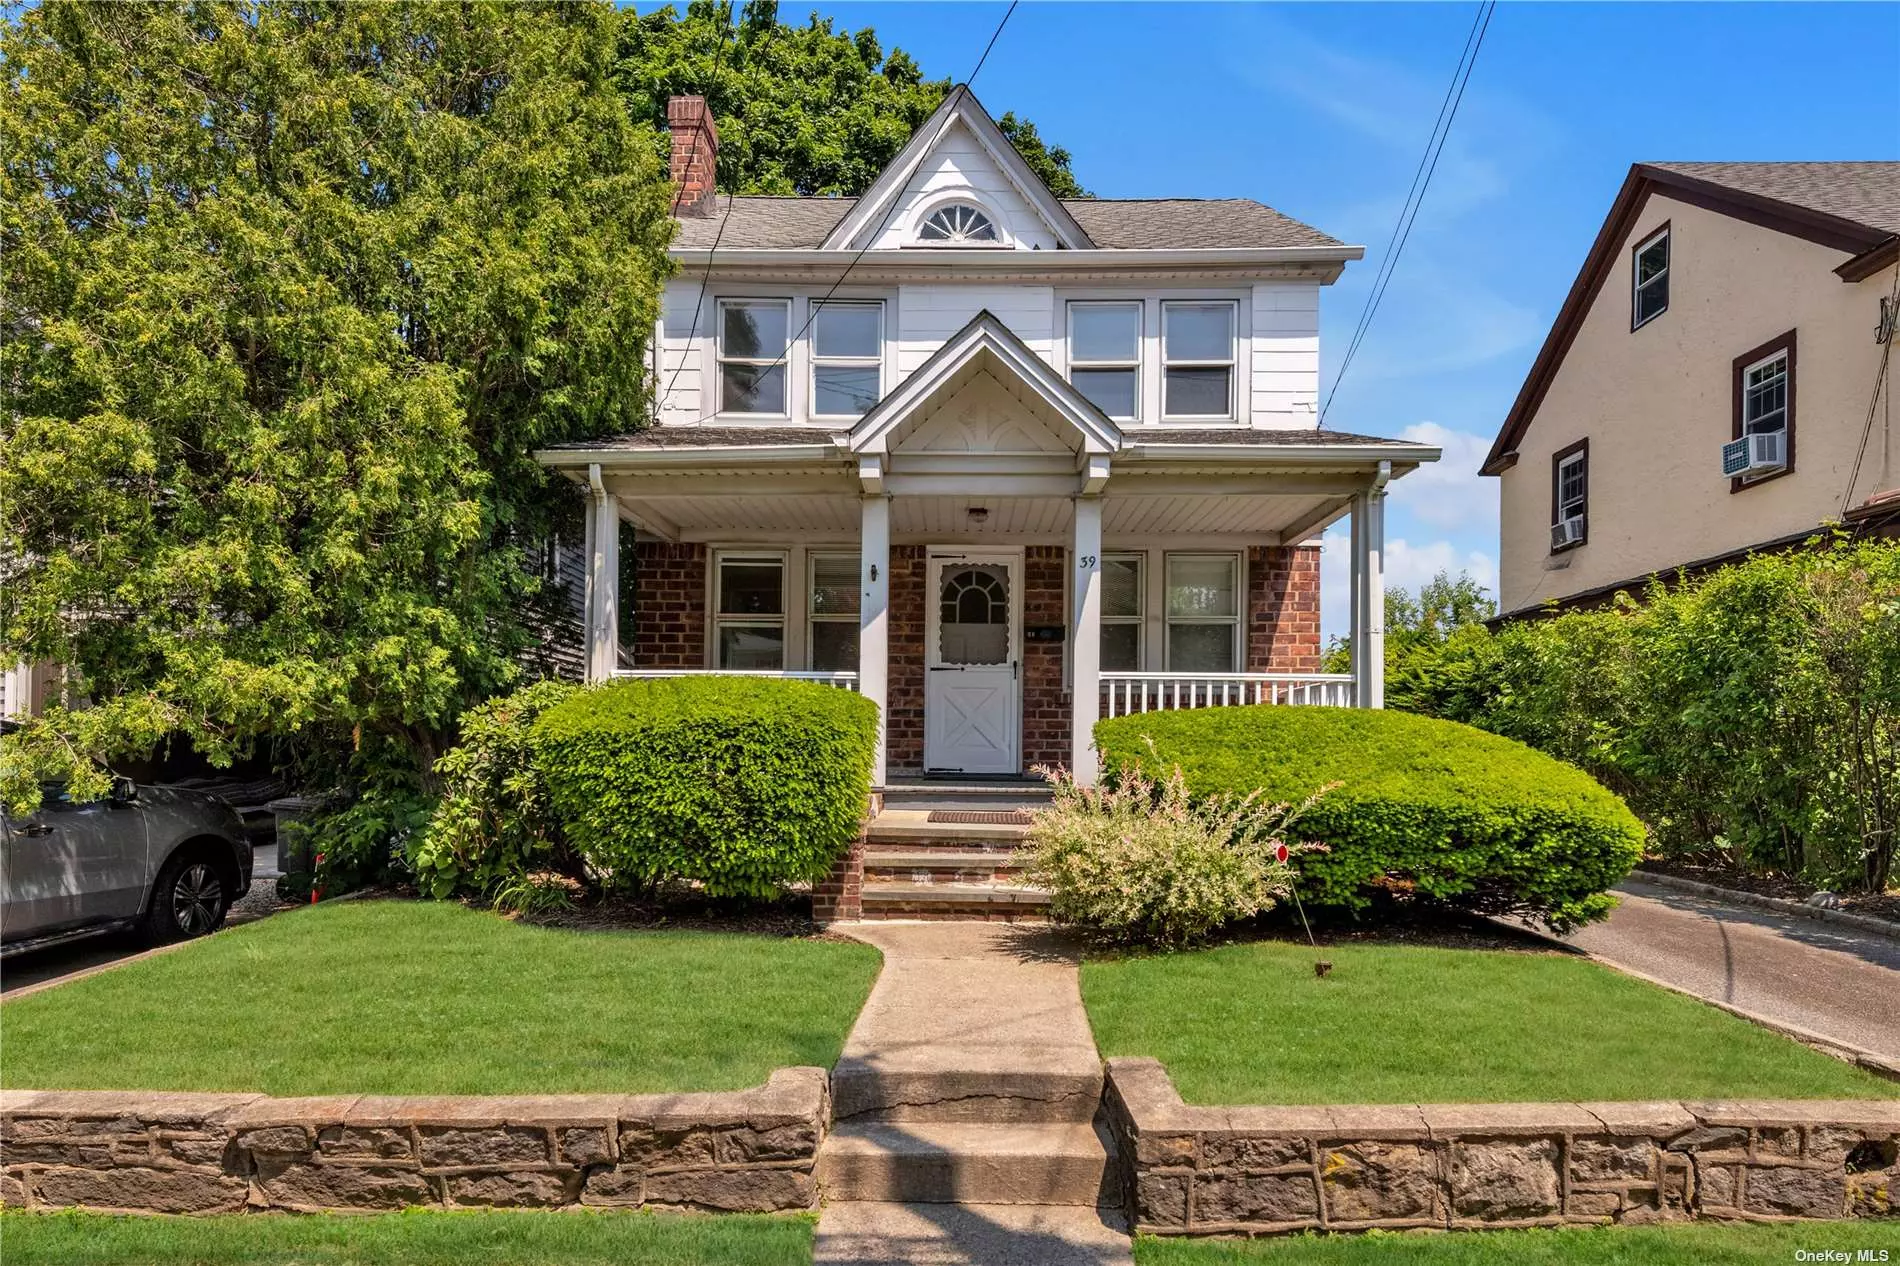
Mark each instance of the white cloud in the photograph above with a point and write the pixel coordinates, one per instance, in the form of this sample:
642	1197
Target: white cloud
1449	494
1407	566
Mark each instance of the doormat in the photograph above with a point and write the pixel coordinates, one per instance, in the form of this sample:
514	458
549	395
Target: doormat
982	817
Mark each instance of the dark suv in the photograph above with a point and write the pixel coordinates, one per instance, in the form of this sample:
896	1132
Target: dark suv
162	860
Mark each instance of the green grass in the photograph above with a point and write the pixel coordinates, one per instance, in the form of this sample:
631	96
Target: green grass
1410	1024
419	998
1697	1245
415	1238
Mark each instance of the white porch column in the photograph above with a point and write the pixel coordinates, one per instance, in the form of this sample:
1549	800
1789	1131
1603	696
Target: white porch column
603	580
1356	631
874	573
1368	597
1085	638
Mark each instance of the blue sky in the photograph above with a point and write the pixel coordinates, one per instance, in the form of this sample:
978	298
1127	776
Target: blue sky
1322	111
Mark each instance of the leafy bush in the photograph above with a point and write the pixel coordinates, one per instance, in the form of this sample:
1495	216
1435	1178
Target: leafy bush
1425	808
742	784
1139	862
494	822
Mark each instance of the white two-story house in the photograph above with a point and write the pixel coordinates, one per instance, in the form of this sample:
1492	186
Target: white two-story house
1003	463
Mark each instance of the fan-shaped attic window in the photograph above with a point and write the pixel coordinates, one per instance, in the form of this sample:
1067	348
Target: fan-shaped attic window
959	224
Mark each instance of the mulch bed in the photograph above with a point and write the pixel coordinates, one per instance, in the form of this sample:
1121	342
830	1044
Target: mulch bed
1720	872
687	911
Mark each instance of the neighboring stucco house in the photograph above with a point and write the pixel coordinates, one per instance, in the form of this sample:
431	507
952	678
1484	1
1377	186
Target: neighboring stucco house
1003	463
1712	384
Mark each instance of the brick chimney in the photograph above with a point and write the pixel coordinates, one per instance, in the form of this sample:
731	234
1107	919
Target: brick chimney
695	154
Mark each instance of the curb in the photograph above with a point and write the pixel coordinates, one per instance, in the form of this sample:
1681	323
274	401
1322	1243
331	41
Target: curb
1877	1064
1780	905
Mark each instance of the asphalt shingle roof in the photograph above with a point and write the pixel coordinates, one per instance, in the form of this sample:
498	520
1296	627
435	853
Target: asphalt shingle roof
1867	194
771	223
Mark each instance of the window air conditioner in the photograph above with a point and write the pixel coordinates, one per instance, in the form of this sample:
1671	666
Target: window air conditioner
1754	454
1568	532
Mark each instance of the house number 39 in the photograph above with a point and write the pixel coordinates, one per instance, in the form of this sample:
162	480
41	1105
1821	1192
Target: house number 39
1088	562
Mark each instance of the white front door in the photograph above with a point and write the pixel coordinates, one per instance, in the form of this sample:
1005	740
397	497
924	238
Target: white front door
972	668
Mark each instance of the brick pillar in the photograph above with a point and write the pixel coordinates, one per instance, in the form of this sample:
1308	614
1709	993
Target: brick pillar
1283	609
695	154
840	895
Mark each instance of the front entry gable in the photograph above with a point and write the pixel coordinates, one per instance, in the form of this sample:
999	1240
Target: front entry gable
985	391
958	156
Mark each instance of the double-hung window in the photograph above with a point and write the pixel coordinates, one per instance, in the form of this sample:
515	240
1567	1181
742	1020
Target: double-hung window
1765	396
753	338
750	616
1649	280
1203	596
832	632
1569	496
847	358
1105	356
1197	360
1122	589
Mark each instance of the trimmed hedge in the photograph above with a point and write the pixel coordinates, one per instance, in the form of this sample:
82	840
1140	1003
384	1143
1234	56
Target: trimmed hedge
743	784
1424	807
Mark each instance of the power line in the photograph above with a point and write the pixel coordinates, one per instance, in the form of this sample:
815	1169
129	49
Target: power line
1415	196
891	207
1880	381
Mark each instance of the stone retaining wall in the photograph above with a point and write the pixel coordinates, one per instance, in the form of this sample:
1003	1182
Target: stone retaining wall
747	1150
1202	1170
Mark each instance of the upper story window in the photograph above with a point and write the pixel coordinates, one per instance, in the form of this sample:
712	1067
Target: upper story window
1765	396
959	224
753	337
847	358
1649	279
1105	356
1763	443
1197	360
1569	496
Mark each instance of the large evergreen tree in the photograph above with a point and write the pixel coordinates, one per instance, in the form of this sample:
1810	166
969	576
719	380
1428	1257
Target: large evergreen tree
801	109
291	293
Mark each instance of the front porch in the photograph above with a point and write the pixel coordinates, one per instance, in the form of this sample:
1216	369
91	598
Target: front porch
989	559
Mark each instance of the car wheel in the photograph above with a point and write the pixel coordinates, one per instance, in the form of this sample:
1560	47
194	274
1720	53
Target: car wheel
189	899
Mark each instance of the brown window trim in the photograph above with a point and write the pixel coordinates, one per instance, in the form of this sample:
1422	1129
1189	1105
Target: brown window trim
1557	460
1780	343
1635	249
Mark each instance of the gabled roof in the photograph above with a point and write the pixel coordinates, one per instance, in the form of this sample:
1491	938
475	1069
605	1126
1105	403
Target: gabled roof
985	335
758	222
1850	207
959	106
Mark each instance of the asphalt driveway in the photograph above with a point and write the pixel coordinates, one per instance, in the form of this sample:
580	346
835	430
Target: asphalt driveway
1838	982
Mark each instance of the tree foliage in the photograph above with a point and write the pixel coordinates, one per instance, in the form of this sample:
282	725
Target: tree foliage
801	109
291	293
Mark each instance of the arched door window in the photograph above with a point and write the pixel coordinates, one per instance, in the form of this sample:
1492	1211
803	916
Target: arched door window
974	615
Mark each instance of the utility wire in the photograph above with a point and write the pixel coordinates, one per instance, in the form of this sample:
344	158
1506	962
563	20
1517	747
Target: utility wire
891	207
1892	314
1415	196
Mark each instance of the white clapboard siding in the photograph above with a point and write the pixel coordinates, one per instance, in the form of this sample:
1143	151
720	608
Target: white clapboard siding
930	314
960	163
1285	354
679	356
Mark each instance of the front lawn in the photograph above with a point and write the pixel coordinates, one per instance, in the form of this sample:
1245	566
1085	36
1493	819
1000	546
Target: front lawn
1413	1024
415	1238
427	998
1704	1244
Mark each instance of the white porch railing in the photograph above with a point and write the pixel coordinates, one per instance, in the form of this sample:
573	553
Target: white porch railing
1123	693
845	681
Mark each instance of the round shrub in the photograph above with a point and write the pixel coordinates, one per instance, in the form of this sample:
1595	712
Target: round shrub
1424	807
743	784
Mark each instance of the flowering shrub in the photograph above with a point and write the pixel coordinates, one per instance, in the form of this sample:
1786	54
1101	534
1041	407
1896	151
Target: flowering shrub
1139	861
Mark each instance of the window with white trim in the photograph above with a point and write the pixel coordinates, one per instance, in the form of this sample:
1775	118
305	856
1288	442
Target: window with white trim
847	357
753	337
1105	356
1570	496
749	612
959	224
1765	396
1649	279
1122	592
1197	359
832	629
1203	627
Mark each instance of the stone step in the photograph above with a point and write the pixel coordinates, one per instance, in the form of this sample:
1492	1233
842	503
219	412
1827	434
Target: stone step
929	1162
854	1233
973	1086
938	865
913	826
911	900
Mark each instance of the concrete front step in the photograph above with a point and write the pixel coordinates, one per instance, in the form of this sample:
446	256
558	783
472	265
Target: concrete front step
934	1162
907	900
913	827
939	865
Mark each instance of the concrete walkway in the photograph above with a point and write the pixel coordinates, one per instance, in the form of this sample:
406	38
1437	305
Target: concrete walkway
964	1102
1836	982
